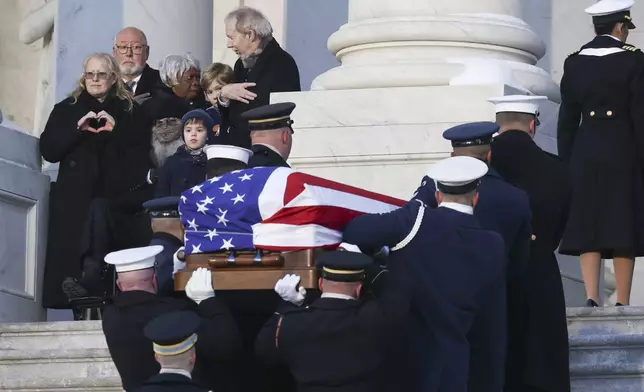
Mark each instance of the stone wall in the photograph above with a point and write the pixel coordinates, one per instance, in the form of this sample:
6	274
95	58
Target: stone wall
18	67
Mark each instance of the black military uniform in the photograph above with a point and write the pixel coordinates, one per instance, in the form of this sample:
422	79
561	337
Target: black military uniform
541	360
603	86
276	118
172	334
123	322
337	343
165	207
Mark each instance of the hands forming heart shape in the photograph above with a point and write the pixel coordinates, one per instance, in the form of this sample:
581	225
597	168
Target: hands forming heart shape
96	123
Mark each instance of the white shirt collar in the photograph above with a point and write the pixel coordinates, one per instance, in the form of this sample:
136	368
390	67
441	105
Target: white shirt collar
458	207
176	371
612	36
136	82
336	296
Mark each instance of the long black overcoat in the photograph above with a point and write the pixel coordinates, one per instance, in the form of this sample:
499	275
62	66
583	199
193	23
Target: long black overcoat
111	165
603	87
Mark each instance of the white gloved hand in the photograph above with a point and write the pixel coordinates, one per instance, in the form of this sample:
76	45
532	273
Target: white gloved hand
349	247
287	289
177	264
199	287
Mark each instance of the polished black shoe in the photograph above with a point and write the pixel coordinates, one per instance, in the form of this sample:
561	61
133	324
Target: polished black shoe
591	304
619	304
73	289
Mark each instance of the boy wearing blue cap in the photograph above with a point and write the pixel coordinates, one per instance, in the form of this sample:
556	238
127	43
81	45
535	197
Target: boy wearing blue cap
187	167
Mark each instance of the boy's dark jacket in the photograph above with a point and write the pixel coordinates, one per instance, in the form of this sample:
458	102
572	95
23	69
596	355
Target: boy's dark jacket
181	171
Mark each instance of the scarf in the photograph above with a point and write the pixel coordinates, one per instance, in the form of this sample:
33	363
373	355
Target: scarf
198	156
250	60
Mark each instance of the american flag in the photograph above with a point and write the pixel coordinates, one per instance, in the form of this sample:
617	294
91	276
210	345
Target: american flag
272	208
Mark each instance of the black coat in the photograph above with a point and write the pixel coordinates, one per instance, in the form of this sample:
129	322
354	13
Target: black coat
542	362
275	71
111	165
218	344
164	103
456	273
603	86
150	80
265	156
337	344
180	172
170	382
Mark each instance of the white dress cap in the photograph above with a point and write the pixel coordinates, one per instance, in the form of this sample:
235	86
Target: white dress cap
134	259
518	103
228	152
457	171
608	7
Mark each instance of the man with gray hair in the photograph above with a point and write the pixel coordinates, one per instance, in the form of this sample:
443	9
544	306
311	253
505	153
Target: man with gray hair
131	50
263	68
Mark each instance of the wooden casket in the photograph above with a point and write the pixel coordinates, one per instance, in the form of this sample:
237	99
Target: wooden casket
245	270
251	270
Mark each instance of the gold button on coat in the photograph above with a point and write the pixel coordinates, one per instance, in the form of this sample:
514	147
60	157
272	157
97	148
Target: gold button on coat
592	114
609	113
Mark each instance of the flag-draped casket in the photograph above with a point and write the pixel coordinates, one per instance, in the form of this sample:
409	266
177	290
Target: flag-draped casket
272	209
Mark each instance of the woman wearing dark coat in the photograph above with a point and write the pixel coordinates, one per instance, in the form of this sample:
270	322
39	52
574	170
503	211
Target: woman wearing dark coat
600	133
263	68
179	90
103	151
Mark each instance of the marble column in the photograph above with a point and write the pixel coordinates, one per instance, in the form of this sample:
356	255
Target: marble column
411	43
173	26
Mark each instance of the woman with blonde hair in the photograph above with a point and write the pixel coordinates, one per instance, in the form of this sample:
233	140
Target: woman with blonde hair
102	143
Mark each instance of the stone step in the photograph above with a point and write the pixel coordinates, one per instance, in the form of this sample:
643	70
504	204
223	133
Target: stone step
52	336
606	349
606	353
73	369
54	356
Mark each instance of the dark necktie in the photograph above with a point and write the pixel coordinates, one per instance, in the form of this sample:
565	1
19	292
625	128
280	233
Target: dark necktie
129	85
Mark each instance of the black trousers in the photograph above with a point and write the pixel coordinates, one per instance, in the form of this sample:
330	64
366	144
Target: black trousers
108	229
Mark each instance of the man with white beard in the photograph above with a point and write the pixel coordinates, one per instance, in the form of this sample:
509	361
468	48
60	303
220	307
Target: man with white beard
131	50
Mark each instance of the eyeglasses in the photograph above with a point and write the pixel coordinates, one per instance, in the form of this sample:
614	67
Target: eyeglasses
94	75
136	49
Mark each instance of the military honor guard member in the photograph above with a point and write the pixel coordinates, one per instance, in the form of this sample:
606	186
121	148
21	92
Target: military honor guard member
603	86
249	308
540	361
137	303
455	270
164	207
271	134
339	342
503	207
174	336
